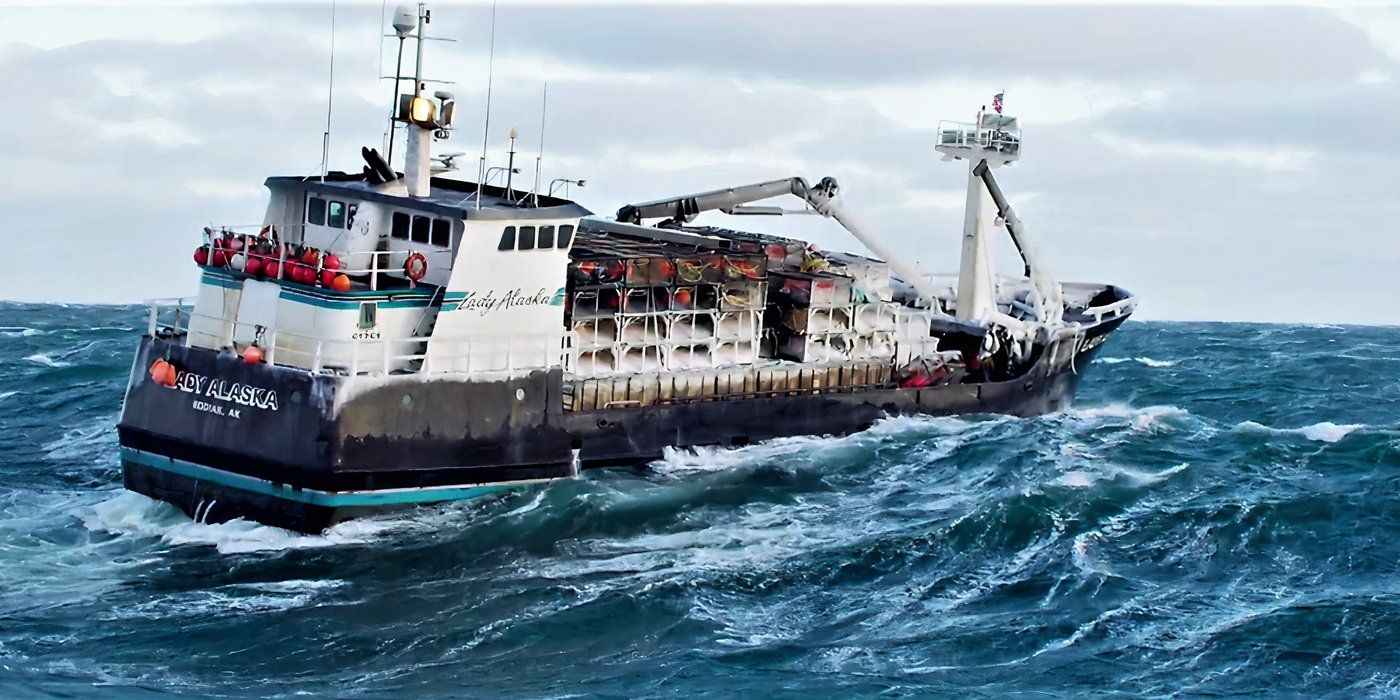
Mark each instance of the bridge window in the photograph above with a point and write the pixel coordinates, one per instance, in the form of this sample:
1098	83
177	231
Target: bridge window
335	216
442	233
546	239
526	239
400	226
421	224
507	239
566	234
316	211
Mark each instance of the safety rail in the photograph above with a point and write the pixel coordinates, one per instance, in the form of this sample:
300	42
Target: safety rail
989	135
170	318
380	262
1118	308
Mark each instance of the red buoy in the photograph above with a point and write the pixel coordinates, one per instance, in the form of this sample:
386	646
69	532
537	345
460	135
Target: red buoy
271	270
201	255
327	278
253	266
252	355
330	262
219	258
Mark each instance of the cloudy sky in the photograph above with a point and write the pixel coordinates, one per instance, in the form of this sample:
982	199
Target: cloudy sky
1234	163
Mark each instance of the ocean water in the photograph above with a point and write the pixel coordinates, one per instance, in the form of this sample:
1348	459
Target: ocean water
1219	514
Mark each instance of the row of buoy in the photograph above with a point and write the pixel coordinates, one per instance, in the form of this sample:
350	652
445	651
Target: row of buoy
278	261
164	373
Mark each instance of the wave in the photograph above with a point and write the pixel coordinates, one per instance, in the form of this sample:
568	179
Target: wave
1144	418
1148	361
19	332
133	514
1326	431
42	359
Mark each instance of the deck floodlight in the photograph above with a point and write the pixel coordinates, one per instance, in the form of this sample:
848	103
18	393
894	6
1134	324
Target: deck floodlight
422	111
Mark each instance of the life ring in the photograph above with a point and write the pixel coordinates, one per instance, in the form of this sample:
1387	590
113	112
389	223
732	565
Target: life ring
415	266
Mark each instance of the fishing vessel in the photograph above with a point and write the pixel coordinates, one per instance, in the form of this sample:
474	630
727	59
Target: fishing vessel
391	338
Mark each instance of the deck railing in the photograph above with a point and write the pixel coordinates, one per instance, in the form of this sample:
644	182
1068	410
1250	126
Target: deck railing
380	262
174	318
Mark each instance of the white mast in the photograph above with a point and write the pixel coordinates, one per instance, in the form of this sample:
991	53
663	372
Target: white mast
994	140
417	166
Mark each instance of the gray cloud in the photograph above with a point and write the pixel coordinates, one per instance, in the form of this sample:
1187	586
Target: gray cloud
1252	184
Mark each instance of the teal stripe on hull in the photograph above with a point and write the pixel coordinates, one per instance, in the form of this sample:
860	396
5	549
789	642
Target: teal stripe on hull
342	300
329	499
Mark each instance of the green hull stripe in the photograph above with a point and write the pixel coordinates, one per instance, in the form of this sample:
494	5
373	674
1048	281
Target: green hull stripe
329	499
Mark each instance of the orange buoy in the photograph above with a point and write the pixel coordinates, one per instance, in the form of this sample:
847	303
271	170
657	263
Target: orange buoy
171	376
341	283
158	371
252	355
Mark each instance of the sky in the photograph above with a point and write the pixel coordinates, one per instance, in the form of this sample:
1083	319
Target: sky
1223	162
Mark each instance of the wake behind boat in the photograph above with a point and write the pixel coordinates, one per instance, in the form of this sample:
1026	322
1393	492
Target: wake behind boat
386	339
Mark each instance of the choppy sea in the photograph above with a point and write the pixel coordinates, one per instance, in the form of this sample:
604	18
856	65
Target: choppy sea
1219	514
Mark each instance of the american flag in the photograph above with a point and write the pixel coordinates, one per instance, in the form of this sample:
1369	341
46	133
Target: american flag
996	102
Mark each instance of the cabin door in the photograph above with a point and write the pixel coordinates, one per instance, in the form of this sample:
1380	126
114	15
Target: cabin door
256	307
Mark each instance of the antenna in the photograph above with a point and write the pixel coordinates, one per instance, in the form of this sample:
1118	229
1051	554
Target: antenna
330	100
544	105
510	165
405	21
486	132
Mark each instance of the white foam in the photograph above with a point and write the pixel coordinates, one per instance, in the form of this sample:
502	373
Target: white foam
1077	479
19	331
130	513
1326	431
1144	418
1150	362
43	359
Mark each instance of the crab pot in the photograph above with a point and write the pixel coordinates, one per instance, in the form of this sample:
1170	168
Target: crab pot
594	303
595	332
735	352
737	325
690	327
741	296
639	358
686	357
639	330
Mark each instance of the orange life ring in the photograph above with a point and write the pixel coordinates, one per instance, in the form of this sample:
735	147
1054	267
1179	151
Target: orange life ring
415	266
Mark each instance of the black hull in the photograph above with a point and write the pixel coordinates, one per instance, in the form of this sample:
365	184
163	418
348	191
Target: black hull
288	448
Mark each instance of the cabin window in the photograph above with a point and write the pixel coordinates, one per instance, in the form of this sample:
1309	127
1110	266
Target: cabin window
421	225
335	215
316	211
351	209
400	226
546	237
369	313
526	239
507	239
442	233
566	235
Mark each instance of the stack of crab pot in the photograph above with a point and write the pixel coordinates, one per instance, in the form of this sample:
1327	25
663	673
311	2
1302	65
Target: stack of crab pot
640	306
